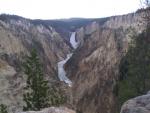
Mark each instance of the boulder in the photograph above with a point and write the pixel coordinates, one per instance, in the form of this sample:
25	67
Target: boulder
140	104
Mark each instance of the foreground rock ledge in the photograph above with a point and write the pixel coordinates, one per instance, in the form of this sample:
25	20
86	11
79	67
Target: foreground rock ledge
140	104
53	110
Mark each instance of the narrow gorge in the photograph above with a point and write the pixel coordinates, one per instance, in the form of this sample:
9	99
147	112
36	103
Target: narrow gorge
83	54
61	71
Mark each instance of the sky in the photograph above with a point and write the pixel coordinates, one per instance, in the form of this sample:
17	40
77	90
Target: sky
56	9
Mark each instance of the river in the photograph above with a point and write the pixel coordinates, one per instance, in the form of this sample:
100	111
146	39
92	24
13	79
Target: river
61	71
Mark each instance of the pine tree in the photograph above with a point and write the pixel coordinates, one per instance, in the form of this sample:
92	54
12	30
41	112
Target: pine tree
37	90
3	108
135	68
56	96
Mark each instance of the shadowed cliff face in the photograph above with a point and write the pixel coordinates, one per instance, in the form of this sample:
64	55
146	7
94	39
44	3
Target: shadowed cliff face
94	66
94	70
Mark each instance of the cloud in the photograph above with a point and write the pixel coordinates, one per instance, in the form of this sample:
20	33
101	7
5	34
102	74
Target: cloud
50	9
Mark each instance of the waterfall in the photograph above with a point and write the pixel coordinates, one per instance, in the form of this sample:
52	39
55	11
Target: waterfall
61	72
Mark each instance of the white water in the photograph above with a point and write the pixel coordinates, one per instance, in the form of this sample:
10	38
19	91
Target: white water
73	41
61	72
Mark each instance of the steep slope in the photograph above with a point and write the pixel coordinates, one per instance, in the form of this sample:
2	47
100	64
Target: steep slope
94	65
17	38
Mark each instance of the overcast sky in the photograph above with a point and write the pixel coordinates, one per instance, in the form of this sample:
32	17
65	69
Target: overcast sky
55	9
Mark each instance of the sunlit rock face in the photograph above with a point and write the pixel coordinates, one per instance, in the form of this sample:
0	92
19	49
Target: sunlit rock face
132	20
140	104
93	68
17	38
11	86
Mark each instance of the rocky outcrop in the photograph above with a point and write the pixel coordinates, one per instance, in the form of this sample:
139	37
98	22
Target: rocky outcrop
53	110
140	104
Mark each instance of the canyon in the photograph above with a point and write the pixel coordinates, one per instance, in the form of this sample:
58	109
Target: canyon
88	61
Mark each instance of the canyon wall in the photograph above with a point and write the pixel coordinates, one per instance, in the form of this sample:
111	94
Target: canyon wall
17	38
94	66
